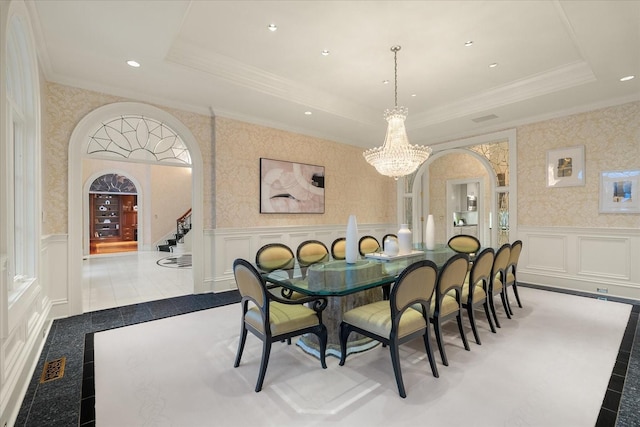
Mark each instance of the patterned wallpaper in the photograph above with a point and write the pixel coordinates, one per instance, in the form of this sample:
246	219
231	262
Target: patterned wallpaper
611	137
352	186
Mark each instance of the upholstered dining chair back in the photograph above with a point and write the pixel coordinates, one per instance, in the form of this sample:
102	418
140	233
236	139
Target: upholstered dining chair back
276	256
389	236
498	278
402	318
339	248
464	243
447	301
512	267
310	252
368	244
476	289
274	319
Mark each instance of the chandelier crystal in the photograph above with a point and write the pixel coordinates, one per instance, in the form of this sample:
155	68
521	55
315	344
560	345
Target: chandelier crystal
396	157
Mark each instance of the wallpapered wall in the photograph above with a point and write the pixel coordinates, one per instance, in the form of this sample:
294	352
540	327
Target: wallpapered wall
352	186
611	137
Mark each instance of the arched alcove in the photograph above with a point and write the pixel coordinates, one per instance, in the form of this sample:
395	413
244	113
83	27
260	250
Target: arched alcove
130	132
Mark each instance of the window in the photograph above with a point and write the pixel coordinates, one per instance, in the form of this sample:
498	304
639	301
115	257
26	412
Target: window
22	159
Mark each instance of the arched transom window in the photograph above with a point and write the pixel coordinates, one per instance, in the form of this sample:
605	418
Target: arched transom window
138	138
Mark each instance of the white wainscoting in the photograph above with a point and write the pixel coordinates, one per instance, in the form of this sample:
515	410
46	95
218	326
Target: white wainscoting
232	243
591	260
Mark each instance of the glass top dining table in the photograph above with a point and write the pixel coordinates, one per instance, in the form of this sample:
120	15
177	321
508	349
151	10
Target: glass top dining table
338	278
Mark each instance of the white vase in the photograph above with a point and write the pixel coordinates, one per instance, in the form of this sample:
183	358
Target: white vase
405	241
430	238
351	250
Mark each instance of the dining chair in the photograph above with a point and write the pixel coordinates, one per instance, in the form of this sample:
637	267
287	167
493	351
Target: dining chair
271	318
498	277
516	248
389	236
339	248
464	243
476	289
397	321
277	257
310	252
368	244
447	300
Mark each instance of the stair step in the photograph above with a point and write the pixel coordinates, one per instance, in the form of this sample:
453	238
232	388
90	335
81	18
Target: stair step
165	248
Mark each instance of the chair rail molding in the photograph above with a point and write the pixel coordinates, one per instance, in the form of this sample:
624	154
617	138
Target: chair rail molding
602	261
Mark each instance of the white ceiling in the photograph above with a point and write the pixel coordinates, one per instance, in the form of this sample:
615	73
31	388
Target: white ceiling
554	58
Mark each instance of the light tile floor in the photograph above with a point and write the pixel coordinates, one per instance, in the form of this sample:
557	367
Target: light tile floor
116	280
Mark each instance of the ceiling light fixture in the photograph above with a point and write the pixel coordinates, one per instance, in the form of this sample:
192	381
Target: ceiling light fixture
272	27
627	78
494	65
468	43
132	63
325	52
396	157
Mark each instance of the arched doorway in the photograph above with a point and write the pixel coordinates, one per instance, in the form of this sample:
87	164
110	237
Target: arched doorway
91	137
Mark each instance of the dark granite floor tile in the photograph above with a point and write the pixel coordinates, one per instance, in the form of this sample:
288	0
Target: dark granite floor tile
611	400
620	368
606	418
163	308
137	313
616	383
106	319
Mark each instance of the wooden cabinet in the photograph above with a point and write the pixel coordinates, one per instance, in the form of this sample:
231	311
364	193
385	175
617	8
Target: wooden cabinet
113	217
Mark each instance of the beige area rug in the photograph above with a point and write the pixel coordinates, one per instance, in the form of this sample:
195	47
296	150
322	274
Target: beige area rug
548	366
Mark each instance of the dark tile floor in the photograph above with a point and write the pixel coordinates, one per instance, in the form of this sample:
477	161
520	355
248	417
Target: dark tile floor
69	401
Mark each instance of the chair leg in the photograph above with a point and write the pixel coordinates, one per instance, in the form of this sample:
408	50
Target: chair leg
344	334
461	329
486	312
505	303
266	350
443	355
395	360
427	345
515	291
493	310
506	297
241	341
322	338
472	320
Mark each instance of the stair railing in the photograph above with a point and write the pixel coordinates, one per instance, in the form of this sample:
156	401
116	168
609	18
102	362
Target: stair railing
183	225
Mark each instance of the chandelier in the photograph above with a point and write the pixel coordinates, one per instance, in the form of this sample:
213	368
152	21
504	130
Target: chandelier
396	157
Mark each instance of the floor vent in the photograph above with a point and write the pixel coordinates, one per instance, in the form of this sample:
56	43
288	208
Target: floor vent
53	370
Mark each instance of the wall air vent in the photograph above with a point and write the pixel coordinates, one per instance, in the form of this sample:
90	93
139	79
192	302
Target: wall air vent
485	118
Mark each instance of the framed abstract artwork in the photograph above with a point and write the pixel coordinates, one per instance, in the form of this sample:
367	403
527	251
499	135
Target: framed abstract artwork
288	187
619	191
565	167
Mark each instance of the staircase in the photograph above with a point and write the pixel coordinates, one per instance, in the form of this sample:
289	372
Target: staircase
183	226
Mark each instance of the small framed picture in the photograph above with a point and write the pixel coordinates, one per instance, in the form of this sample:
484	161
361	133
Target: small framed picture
619	191
565	167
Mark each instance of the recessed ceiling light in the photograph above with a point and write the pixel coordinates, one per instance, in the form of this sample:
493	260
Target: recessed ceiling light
308	113
494	65
468	43
272	27
132	63
627	78
385	82
325	52
413	95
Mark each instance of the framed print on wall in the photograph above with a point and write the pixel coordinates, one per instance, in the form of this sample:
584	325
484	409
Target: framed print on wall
565	167
288	187
619	191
